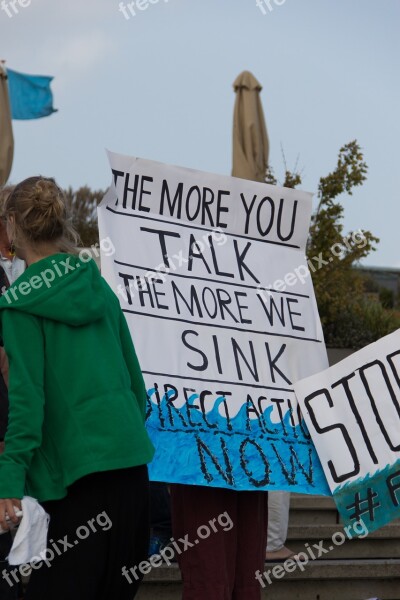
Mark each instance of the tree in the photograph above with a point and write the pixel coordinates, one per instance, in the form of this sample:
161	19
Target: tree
386	297
347	317
82	205
338	286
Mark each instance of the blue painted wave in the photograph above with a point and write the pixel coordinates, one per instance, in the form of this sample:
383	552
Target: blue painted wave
374	498
242	453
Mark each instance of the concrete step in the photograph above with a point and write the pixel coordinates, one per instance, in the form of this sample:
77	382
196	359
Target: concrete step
304	501
320	580
331	580
381	544
315	510
312	510
356	569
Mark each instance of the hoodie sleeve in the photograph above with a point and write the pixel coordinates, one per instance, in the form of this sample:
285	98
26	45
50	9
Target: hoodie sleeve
24	345
128	350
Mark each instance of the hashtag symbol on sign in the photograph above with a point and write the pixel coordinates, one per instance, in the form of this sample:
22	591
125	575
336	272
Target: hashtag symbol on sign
359	505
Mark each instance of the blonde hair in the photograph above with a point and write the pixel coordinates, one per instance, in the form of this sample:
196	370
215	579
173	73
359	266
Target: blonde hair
4	193
40	214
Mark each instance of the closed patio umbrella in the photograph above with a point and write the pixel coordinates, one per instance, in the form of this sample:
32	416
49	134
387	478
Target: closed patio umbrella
250	161
250	138
6	133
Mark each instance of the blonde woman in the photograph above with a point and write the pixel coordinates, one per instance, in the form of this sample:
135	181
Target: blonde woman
76	439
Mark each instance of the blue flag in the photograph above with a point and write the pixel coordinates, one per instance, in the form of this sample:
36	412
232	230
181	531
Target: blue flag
30	95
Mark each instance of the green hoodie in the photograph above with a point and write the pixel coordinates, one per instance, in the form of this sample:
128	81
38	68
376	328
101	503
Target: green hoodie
76	392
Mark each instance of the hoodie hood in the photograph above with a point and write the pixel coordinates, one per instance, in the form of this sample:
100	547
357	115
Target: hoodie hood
61	287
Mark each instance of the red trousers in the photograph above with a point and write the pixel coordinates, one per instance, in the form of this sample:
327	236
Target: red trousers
222	565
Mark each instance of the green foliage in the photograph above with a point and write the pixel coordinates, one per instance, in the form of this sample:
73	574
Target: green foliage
82	205
270	176
370	286
292	179
386	298
348	318
338	286
361	324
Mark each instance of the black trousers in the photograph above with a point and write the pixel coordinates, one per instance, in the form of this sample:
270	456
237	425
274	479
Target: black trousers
9	589
100	527
160	510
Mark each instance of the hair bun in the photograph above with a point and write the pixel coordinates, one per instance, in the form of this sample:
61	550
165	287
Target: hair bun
48	199
40	212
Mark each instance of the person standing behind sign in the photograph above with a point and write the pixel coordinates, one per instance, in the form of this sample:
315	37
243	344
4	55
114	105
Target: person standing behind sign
278	523
221	566
76	439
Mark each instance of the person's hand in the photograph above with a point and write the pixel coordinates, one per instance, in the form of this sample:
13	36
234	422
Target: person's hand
7	508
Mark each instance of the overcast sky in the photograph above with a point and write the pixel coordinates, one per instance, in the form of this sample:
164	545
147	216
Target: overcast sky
158	85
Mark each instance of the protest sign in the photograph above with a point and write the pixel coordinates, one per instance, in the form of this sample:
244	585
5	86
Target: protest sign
211	274
352	411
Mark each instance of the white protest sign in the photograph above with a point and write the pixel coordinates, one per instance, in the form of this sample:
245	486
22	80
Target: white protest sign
211	274
352	411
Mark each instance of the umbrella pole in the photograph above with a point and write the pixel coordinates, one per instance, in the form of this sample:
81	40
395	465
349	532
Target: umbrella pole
6	132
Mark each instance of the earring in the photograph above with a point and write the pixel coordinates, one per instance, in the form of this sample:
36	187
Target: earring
12	249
